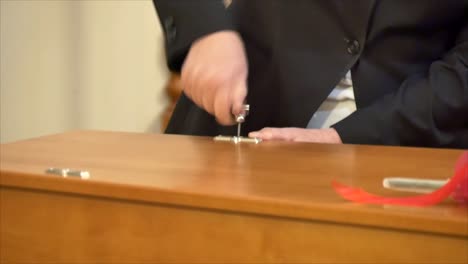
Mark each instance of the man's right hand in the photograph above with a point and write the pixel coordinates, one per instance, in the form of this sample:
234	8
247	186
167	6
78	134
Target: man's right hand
214	75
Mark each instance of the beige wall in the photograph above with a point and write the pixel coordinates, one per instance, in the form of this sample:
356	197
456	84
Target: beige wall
80	65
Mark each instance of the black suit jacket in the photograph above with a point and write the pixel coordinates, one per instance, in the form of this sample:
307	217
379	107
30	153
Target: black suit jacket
409	64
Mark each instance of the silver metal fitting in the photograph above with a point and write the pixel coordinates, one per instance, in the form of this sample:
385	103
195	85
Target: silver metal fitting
69	173
237	140
240	118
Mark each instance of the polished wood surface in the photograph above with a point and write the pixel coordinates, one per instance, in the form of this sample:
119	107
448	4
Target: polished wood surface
173	91
163	198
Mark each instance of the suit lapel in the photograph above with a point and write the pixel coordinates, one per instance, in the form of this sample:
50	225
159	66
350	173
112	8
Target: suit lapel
357	15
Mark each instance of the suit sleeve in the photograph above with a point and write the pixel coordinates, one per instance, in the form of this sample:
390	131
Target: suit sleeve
184	21
427	110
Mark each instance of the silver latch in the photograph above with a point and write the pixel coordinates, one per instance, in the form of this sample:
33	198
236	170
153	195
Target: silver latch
240	118
82	174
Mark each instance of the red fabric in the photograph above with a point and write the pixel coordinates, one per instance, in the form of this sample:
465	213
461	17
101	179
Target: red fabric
457	187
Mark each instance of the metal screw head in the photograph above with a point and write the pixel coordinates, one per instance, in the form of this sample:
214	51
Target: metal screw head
240	118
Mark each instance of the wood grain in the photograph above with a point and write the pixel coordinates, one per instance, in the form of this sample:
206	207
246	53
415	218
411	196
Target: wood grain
216	202
173	91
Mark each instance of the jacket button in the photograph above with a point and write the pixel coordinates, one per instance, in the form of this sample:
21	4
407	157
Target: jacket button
353	47
168	22
170	28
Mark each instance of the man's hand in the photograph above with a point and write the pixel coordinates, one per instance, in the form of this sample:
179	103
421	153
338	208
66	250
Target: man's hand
328	135
214	75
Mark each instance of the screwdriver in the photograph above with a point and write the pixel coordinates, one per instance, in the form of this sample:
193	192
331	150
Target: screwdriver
240	118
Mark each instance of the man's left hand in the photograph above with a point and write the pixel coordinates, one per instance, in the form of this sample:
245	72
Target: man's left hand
326	135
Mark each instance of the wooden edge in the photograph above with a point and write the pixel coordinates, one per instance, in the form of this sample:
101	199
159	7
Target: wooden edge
347	213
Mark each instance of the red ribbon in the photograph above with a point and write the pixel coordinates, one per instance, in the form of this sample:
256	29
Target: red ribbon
456	187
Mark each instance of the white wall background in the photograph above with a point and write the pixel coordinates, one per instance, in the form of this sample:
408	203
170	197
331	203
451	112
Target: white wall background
72	64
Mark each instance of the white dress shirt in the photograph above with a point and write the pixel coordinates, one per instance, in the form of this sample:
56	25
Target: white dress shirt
339	104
